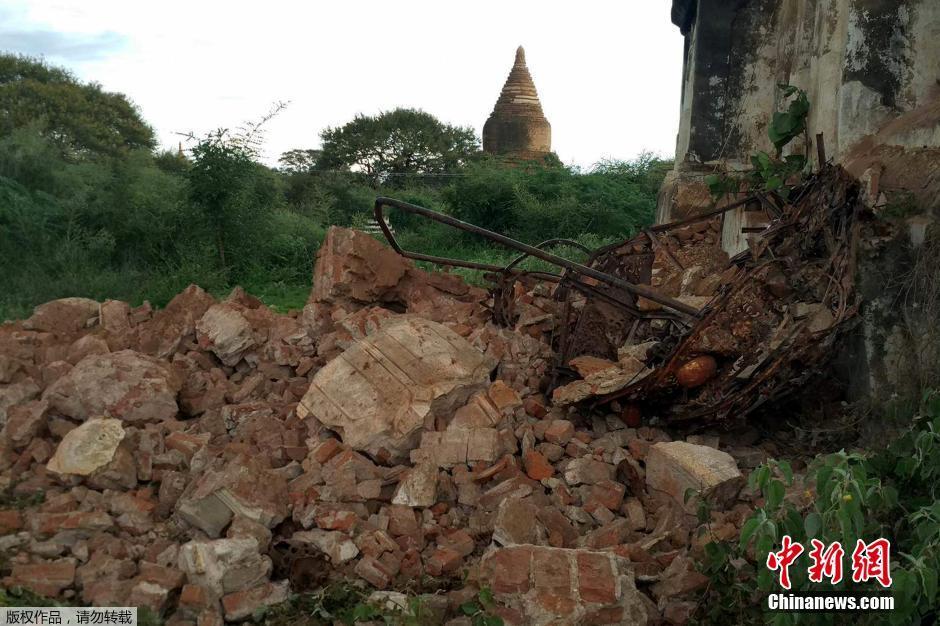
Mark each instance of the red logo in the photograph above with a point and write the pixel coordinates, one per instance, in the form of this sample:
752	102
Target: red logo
783	559
869	561
827	563
872	560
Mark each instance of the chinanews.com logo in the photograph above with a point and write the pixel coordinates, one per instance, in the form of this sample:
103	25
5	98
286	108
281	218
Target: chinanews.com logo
869	562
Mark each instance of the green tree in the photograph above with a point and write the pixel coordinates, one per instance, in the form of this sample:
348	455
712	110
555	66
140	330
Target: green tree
219	182
399	142
82	118
298	160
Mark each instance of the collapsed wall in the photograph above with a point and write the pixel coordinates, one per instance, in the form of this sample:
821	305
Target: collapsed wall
870	69
209	459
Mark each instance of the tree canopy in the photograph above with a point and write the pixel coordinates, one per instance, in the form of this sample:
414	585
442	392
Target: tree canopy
82	118
298	160
403	141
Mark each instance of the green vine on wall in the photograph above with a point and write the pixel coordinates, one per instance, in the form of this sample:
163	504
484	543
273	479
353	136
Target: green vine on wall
772	173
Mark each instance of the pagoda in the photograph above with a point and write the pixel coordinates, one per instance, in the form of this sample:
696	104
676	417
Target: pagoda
517	128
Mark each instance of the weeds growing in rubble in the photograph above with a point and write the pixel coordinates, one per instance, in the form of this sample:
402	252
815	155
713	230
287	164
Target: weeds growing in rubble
893	493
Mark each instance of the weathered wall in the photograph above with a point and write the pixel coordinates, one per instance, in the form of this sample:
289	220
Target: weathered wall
871	70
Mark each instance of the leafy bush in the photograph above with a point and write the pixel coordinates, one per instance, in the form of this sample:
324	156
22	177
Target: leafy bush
893	493
542	202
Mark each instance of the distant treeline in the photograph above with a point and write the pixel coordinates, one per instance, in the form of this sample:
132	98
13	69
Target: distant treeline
89	208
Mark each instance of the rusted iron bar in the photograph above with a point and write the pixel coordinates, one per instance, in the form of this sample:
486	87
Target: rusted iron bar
701	216
638	290
657	245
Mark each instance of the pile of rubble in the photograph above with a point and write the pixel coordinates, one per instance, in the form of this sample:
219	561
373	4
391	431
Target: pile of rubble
765	322
210	458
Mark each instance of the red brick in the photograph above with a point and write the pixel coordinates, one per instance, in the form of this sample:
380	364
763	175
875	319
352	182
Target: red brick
458	540
503	396
554	603
509	569
402	521
551	571
444	561
561	534
609	534
335	519
534	407
510	616
47	579
609	493
167	577
51	523
595	578
186	444
107	592
195	597
638	448
583	437
411	565
327	450
11	521
391	561
559	432
537	466
374	543
374	572
242	604
607	615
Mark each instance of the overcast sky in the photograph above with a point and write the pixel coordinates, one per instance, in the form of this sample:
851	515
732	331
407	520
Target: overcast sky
608	73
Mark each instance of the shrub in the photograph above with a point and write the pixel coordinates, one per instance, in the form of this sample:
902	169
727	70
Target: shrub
892	493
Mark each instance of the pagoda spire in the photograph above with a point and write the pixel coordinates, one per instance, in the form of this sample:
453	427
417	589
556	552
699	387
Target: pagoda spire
517	126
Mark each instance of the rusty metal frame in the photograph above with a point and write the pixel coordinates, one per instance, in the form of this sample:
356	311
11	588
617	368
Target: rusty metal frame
527	250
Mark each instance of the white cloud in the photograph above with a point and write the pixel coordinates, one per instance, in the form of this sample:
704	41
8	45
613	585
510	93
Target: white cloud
608	74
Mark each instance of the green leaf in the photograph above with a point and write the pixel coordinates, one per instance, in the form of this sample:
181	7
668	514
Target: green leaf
486	597
470	608
786	470
774	182
764	160
747	531
845	525
795	162
363	612
795	526
763	473
774	493
764	578
813	524
822	478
